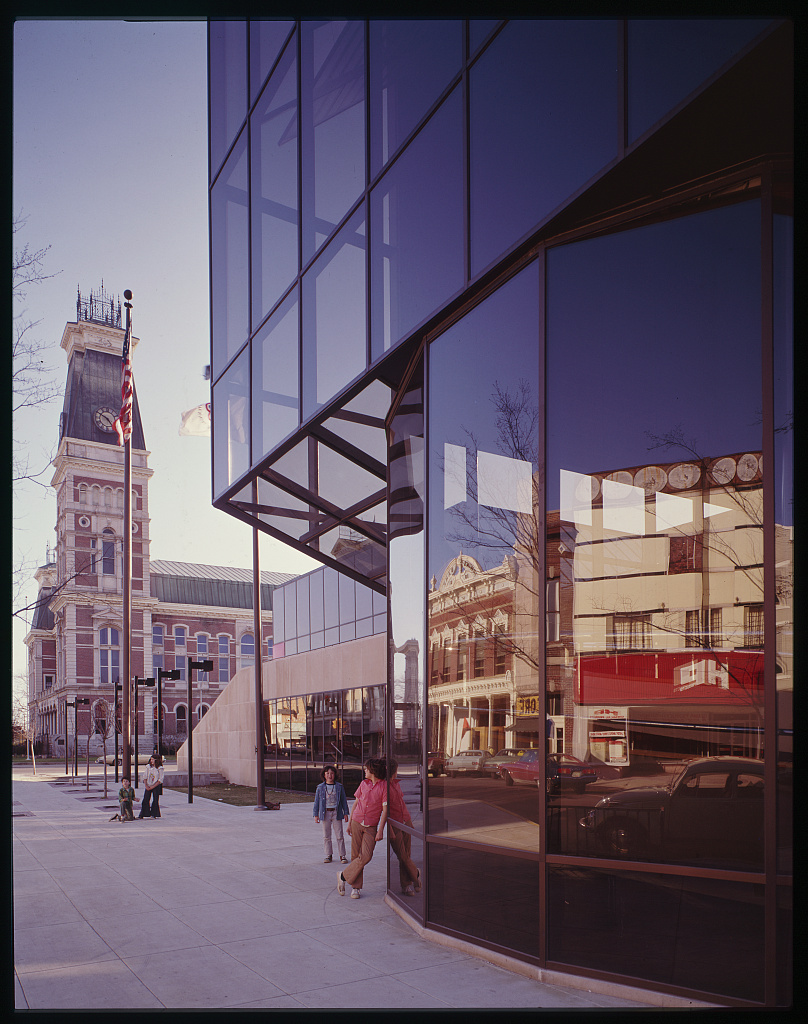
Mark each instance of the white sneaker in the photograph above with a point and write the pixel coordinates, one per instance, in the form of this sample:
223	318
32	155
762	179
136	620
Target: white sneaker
355	894
408	890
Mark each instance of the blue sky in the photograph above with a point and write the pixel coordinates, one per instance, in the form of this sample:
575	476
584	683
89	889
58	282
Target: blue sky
110	171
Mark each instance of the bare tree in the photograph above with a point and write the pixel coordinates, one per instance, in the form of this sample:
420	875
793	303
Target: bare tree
104	724
33	381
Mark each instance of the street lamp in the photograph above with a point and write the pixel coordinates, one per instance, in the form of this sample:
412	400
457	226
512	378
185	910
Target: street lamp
75	705
146	682
67	763
203	666
162	674
118	688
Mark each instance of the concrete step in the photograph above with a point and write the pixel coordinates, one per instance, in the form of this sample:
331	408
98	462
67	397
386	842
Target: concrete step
179	780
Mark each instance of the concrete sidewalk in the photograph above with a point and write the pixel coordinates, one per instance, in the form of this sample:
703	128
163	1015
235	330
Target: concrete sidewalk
218	906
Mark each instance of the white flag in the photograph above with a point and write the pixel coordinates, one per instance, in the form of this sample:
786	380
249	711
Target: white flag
196	422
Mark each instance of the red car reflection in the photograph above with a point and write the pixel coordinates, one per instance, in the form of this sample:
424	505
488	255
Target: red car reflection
562	770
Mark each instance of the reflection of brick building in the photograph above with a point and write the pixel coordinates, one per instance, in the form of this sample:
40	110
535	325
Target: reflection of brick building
179	610
664	574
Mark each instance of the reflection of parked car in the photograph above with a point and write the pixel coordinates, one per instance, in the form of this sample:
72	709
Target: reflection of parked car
436	762
562	770
466	761
713	808
494	763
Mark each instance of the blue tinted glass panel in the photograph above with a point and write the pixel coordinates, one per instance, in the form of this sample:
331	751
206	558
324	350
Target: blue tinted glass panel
274	188
303	606
229	229
332	636
331	580
276	402
669	58
231	420
347	599
266	40
278	618
411	63
363	601
655	530
290	611
335	317
332	111
417	224
479	30
228	85
544	120
316	601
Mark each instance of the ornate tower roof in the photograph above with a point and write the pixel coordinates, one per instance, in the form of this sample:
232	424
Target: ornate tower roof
94	344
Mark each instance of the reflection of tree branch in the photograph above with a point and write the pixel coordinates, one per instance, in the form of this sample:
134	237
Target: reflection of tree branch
511	535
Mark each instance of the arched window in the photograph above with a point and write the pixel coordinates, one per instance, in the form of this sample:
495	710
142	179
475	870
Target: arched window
82	494
182	724
108	497
108	552
109	649
247	651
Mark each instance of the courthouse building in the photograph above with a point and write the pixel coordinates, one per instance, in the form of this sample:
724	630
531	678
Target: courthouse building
501	335
179	609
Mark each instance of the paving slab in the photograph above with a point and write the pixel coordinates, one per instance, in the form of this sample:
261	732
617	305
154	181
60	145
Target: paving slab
214	906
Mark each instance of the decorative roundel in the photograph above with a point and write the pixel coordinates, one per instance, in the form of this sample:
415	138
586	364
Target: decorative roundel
685	475
747	467
723	470
624	481
134	527
84	521
587	489
651	479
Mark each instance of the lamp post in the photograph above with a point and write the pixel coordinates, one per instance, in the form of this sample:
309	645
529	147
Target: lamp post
67	763
146	682
203	666
75	706
162	674
118	688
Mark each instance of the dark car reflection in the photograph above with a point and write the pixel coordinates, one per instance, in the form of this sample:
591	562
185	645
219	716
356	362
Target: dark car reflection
562	770
712	810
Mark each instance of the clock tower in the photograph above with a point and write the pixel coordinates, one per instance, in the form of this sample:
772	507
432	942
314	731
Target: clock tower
87	601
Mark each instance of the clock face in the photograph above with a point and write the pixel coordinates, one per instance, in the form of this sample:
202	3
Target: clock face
105	419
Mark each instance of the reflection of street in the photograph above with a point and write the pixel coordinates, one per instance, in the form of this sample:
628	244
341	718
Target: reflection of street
487	811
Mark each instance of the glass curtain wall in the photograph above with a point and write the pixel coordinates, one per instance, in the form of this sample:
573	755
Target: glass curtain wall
589	497
306	732
483	592
405	723
657	524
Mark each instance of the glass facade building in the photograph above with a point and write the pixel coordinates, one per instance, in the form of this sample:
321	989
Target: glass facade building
501	332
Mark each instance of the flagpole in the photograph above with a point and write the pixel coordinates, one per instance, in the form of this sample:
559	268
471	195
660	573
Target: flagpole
127	571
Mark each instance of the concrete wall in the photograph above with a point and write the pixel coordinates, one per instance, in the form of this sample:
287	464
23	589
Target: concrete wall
224	741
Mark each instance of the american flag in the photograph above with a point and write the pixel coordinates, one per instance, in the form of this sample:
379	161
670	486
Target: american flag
123	424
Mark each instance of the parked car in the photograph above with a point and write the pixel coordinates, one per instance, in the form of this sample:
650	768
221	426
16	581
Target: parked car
561	770
713	808
466	761
141	759
494	763
436	763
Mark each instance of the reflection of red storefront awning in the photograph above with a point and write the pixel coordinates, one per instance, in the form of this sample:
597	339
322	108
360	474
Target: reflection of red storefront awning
682	677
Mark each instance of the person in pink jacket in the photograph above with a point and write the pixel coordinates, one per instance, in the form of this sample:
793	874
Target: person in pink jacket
365	824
